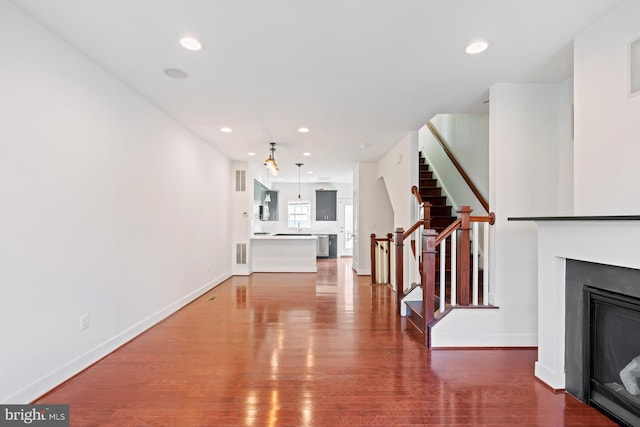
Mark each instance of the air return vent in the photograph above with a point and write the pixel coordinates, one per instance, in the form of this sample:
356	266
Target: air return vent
241	180
241	253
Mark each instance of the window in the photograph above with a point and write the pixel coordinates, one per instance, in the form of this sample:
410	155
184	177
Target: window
299	214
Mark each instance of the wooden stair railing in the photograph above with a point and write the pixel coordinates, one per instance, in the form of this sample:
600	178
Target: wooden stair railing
458	231
381	245
431	240
400	237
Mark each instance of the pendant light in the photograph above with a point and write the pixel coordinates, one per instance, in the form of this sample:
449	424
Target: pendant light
270	163
299	165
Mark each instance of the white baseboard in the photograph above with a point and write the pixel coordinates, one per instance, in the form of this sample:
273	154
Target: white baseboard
555	380
483	340
50	381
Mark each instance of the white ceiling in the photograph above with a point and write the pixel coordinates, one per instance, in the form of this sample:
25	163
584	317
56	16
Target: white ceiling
357	73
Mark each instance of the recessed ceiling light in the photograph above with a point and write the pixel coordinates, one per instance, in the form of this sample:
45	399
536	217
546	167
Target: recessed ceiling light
309	172
477	47
303	130
226	130
190	43
306	154
251	154
175	73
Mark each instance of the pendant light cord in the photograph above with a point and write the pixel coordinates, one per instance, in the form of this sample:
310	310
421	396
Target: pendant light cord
299	165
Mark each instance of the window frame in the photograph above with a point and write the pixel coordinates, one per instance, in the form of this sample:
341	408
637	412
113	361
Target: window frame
301	223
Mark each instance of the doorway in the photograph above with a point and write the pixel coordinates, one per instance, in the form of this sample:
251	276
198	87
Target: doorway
345	225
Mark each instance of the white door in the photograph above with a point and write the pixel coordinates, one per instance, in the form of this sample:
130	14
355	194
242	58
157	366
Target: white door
345	224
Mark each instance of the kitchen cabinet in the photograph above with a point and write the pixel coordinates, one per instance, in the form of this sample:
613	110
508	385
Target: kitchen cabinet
326	203
333	245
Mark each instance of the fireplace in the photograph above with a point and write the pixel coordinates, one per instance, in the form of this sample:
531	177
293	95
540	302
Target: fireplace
612	354
602	338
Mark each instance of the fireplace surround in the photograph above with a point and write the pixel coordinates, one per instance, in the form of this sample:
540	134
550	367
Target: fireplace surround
610	240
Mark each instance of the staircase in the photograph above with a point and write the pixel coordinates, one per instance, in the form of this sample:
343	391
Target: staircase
430	192
441	218
440	212
432	232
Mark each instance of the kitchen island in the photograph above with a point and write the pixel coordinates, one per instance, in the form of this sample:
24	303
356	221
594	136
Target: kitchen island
284	253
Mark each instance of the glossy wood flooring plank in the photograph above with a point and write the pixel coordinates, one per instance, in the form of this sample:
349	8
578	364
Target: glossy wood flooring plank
305	349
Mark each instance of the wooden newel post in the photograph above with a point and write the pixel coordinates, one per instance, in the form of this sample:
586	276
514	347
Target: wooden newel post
389	240
399	240
464	245
426	212
428	281
373	259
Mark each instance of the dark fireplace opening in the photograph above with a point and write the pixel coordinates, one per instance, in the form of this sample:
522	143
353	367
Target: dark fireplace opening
612	354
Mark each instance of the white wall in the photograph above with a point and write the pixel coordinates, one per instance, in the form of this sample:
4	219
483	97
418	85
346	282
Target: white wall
399	170
606	118
525	130
373	210
467	136
565	148
108	208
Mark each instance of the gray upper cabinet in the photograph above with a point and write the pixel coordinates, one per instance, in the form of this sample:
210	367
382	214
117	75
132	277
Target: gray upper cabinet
326	202
266	209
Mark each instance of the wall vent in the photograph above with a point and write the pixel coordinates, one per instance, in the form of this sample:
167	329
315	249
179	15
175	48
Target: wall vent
241	253
241	180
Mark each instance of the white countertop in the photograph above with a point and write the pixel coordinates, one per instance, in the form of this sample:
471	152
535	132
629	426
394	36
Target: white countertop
283	237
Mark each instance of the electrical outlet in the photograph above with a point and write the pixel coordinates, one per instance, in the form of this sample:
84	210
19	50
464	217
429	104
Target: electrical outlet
84	321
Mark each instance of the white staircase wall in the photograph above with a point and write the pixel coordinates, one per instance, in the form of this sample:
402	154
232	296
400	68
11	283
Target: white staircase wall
467	136
453	185
399	172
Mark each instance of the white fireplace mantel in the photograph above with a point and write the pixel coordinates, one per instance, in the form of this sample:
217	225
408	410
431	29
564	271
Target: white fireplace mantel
612	240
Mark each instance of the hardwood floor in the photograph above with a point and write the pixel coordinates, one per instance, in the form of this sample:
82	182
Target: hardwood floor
305	349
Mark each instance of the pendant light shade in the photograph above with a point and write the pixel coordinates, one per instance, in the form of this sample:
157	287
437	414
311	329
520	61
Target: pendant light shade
270	163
